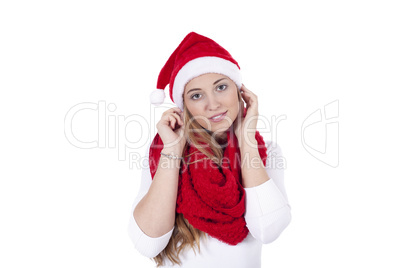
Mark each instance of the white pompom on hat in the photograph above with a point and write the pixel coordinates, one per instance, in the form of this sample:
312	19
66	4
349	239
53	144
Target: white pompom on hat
157	96
196	55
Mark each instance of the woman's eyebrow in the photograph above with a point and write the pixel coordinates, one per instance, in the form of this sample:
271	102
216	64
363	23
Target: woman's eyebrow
217	81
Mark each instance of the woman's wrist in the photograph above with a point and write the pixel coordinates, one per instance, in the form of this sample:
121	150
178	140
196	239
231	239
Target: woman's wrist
172	156
176	151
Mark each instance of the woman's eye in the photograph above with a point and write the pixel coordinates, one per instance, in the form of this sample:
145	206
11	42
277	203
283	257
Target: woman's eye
192	97
222	87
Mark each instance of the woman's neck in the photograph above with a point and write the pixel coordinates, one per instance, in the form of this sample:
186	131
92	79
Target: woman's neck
221	139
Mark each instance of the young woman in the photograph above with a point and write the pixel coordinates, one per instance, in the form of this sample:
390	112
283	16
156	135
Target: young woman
212	183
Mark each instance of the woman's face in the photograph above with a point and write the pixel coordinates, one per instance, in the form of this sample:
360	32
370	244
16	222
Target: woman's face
209	95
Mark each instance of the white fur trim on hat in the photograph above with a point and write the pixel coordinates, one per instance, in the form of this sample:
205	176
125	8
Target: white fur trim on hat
203	65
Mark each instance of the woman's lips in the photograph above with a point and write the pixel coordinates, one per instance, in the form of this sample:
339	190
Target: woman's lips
220	118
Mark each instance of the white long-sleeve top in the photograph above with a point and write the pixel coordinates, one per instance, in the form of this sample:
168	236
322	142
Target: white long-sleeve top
267	214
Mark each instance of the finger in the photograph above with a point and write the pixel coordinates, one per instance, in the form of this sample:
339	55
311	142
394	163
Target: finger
169	119
179	114
172	110
172	121
246	90
177	109
249	96
178	118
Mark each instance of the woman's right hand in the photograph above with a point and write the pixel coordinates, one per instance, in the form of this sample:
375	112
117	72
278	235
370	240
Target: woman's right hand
171	128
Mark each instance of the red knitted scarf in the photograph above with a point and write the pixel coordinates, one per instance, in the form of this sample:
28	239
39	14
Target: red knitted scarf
210	197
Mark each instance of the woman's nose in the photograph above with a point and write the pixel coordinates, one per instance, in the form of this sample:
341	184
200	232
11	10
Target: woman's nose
213	103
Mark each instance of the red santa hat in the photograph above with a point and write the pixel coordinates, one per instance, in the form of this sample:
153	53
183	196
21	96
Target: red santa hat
196	55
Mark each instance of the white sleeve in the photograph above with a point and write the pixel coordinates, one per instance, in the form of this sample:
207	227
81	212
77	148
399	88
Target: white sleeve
146	245
267	208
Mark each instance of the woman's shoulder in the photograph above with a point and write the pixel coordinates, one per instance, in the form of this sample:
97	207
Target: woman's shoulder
275	157
273	146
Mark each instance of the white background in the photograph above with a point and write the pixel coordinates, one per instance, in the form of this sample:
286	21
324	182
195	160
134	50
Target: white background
65	206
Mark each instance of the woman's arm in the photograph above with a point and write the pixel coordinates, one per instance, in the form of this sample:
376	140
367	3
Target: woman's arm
267	208
156	212
153	212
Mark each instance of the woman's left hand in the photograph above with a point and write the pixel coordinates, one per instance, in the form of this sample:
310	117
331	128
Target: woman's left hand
247	126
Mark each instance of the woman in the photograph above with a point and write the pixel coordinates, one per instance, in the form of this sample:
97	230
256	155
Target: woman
210	184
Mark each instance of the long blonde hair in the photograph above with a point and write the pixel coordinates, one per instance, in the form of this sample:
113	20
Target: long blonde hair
184	234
